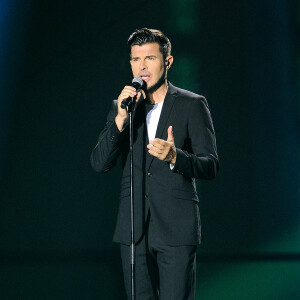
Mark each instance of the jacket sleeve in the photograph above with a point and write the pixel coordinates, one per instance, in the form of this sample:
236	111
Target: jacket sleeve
105	154
201	161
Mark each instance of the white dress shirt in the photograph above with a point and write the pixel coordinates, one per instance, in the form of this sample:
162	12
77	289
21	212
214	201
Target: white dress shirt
152	119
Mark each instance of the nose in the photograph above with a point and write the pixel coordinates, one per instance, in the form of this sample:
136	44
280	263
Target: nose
143	65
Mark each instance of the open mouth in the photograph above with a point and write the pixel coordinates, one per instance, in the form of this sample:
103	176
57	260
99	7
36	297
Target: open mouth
145	77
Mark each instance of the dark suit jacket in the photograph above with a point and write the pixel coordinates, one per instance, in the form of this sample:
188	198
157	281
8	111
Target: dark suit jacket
171	194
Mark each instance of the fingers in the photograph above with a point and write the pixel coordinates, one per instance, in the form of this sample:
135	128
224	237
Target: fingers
138	96
144	94
164	153
158	142
159	148
170	134
128	91
163	150
155	149
156	146
154	153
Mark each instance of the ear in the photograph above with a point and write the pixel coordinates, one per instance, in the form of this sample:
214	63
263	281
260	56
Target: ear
169	61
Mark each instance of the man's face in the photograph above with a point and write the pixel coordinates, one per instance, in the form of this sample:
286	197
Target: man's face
147	62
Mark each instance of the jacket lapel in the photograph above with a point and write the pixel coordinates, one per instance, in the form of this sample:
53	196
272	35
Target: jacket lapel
165	119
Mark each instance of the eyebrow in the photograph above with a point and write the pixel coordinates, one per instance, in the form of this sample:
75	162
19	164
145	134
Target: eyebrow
148	56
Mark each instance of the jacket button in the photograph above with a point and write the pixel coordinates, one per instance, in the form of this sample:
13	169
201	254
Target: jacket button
149	174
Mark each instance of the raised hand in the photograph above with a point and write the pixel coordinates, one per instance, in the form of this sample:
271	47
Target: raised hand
122	115
164	150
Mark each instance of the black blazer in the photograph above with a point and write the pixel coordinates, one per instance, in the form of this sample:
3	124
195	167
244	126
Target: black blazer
171	194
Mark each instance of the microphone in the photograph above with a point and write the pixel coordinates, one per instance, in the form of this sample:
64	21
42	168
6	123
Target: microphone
137	83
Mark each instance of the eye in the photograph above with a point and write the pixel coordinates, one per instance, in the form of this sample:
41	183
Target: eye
135	59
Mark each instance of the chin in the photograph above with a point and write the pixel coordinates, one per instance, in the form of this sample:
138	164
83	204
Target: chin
149	86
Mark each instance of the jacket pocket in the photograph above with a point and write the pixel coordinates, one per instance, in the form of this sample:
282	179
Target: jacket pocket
184	194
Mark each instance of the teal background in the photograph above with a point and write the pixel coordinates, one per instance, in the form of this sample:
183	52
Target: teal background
61	64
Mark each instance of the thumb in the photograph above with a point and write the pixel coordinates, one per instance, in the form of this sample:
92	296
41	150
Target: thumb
170	134
141	95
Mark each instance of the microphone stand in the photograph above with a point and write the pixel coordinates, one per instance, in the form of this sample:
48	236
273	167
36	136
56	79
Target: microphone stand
132	245
130	104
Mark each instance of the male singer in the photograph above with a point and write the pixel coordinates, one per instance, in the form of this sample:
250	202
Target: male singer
174	143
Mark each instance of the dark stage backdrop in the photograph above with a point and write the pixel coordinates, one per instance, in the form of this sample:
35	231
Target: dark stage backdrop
61	65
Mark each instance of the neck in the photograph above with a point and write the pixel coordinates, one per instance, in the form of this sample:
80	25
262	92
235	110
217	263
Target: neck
159	94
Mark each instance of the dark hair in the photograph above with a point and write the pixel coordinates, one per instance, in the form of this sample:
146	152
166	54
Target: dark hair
144	35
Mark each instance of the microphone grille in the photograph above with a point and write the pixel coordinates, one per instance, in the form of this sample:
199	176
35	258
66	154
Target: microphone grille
138	80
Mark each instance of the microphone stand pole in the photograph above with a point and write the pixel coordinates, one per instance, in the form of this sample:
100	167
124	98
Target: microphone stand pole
132	245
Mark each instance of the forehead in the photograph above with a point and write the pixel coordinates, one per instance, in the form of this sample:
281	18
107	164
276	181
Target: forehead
145	50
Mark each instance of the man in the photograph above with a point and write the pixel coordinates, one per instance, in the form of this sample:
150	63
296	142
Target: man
174	143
